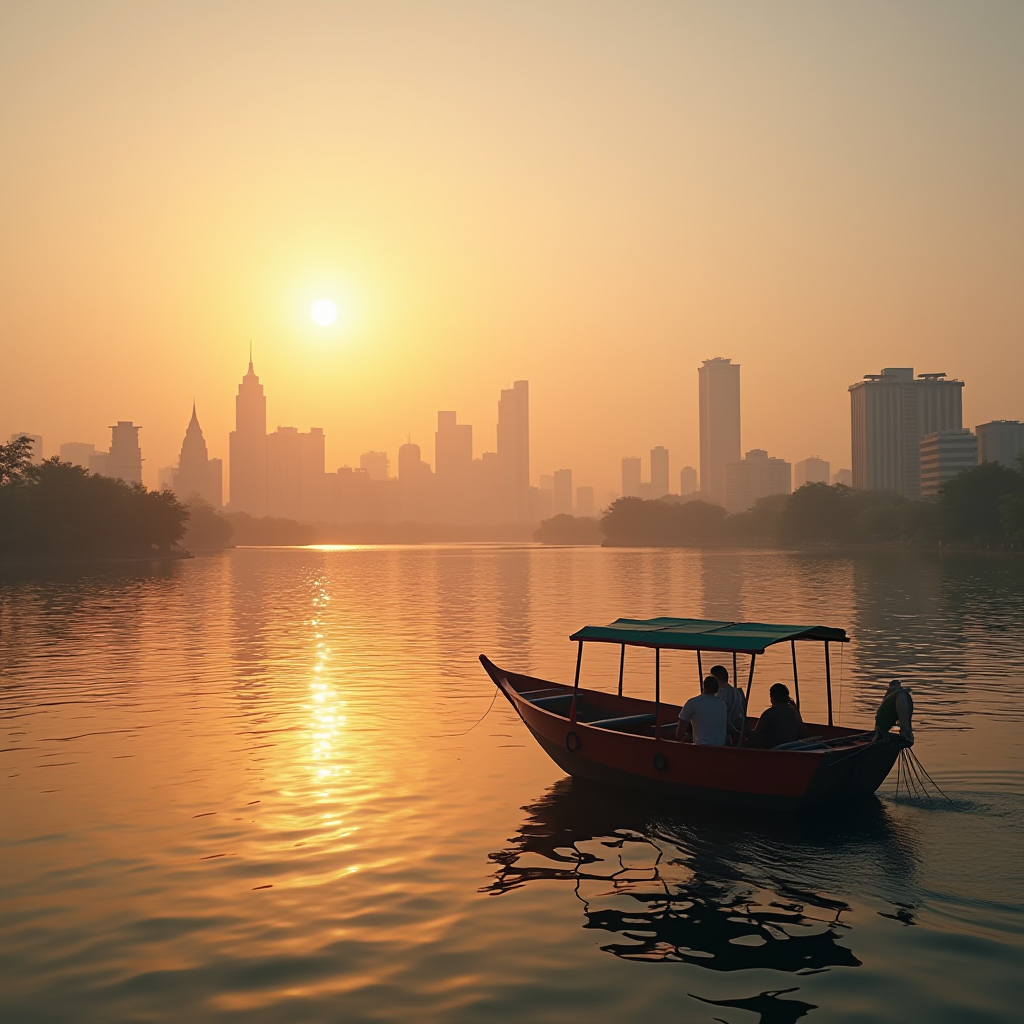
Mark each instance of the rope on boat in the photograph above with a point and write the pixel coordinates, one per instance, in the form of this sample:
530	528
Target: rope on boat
454	735
916	779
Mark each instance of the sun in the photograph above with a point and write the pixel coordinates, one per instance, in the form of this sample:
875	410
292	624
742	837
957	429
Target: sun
324	312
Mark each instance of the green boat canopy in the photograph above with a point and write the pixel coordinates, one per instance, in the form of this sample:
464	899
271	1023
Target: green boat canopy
704	634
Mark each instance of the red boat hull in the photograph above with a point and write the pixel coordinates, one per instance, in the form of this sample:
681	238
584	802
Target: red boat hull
788	779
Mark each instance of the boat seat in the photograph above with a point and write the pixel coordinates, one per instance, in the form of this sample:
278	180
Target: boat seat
624	720
534	694
543	702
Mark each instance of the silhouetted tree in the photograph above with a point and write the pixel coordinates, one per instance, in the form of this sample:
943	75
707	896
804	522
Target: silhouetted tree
207	529
15	458
632	521
565	529
971	505
57	509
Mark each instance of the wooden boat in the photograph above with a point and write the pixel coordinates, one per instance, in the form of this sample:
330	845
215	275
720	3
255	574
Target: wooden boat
628	741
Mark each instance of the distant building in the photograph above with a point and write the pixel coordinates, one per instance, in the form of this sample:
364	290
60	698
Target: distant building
687	481
376	464
295	472
124	460
165	477
1000	441
631	477
415	485
247	452
547	481
659	472
197	473
37	444
890	412
453	468
843	477
753	477
514	452
810	471
719	381
943	455
542	501
563	492
586	506
77	453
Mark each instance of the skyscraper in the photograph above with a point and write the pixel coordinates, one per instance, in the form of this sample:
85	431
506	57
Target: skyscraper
687	480
453	468
415	485
197	473
295	472
563	492
124	460
631	477
890	413
514	451
248	447
659	472
719	384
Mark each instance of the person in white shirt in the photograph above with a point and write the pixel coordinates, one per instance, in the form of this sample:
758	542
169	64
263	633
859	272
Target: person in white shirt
735	702
706	716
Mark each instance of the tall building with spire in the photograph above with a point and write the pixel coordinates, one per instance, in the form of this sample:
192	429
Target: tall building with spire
248	447
197	473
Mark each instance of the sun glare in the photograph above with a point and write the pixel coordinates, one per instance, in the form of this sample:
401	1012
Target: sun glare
324	312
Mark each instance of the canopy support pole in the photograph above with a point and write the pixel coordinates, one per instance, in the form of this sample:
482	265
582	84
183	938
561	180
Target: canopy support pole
828	683
657	693
733	668
700	674
796	678
576	684
622	666
750	682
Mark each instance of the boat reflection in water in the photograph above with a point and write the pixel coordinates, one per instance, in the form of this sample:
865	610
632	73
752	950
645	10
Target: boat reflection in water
711	891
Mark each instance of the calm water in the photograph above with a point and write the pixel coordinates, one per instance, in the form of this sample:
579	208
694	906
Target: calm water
251	787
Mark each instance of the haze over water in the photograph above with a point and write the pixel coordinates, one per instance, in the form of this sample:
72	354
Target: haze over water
259	786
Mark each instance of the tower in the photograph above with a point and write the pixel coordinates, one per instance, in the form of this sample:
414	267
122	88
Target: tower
514	451
719	381
890	412
248	447
197	473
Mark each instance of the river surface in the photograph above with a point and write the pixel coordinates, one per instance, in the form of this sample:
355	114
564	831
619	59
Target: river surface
272	786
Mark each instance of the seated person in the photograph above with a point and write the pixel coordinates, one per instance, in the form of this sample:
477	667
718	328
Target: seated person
780	723
705	714
732	697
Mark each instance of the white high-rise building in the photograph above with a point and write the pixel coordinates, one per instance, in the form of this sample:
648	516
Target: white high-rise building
890	413
944	454
247	453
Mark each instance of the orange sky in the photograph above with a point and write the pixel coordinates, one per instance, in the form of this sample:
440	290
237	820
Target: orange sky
591	196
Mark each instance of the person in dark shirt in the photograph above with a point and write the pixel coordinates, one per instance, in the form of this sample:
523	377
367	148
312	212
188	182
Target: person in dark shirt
780	723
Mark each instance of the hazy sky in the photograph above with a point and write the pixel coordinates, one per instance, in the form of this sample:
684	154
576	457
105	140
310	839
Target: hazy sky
592	196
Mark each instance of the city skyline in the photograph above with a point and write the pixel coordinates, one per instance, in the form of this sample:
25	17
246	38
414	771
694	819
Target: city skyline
769	202
284	473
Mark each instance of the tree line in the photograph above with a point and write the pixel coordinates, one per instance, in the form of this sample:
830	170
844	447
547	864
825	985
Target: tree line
980	507
58	510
